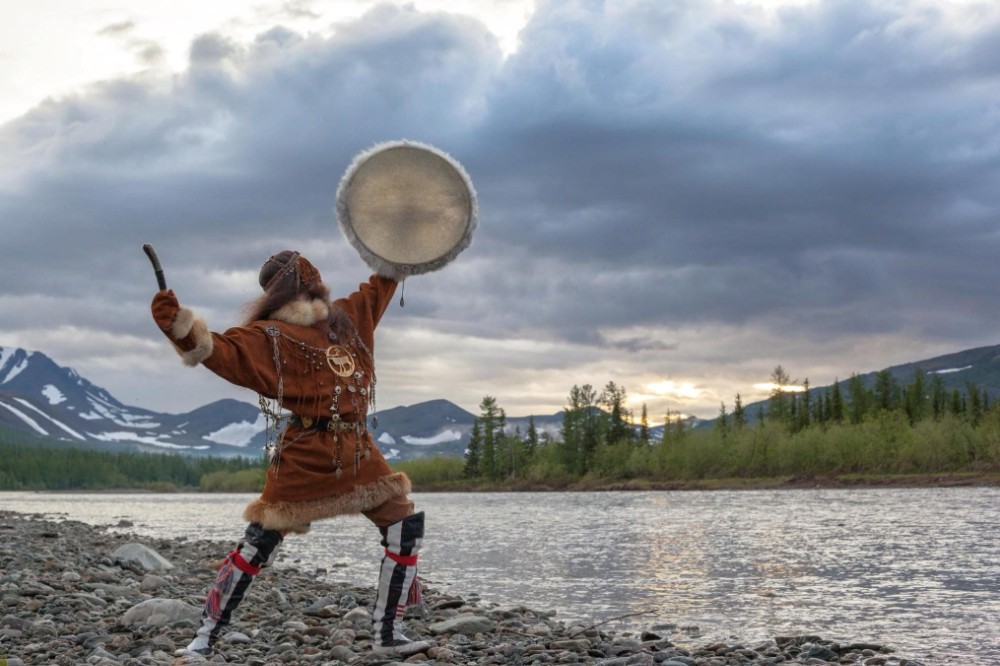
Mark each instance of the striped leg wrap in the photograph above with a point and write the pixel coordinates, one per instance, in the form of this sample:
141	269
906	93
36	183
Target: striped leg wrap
397	583
258	549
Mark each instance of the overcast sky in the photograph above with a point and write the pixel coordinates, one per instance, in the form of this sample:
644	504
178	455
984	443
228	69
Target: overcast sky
674	196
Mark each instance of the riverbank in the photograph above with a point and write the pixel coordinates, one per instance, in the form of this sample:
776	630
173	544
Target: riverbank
70	594
948	480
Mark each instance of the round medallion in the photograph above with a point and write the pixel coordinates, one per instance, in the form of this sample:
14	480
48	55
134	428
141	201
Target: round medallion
340	361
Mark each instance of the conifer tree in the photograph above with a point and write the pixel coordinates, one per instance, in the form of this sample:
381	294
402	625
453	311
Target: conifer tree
805	406
915	398
531	443
860	398
974	402
473	454
580	429
886	391
739	413
957	406
613	398
644	426
778	409
722	423
490	420
939	397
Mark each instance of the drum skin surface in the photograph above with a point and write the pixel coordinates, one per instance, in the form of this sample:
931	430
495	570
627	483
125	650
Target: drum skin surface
407	208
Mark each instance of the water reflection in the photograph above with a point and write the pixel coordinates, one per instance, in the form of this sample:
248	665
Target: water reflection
916	569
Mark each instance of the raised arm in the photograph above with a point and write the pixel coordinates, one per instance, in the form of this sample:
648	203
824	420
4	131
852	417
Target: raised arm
367	305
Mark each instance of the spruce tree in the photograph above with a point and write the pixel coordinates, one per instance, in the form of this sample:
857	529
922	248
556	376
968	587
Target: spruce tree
531	443
739	413
644	426
722	422
473	455
490	417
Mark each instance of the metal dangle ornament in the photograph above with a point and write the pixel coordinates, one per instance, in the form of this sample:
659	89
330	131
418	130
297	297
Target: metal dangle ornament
340	361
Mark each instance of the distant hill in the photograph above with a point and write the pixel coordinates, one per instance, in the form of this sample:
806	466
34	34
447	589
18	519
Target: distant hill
979	366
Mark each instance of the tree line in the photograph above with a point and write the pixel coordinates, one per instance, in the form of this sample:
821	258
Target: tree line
24	467
794	405
848	428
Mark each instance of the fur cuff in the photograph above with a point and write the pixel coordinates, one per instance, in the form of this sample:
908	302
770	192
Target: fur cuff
183	322
199	334
296	516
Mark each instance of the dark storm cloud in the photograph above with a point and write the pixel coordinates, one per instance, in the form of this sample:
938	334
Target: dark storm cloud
247	144
834	167
752	169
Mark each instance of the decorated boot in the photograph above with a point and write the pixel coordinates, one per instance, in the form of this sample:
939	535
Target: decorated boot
398	586
258	549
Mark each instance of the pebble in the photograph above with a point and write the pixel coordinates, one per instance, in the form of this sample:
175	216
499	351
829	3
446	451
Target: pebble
72	593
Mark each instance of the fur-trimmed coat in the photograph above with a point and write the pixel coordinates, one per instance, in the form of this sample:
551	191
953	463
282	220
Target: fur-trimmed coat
316	473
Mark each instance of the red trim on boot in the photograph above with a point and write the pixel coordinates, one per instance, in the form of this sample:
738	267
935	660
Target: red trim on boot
407	560
242	564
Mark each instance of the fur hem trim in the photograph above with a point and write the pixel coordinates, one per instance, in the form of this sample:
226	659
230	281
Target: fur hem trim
302	313
295	517
202	341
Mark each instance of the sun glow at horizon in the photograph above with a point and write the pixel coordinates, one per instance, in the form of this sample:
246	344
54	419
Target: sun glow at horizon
670	387
785	388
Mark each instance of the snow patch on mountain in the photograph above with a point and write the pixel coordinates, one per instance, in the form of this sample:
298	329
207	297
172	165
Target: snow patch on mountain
387	439
136	437
5	355
440	438
238	434
16	370
391	454
949	370
117	416
24	417
53	394
52	420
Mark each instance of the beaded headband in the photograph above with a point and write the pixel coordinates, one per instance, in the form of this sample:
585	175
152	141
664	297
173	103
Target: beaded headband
306	272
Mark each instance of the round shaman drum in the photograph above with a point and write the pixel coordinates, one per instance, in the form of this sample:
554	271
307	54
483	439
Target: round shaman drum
407	208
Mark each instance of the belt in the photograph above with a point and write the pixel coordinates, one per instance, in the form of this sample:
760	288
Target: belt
326	424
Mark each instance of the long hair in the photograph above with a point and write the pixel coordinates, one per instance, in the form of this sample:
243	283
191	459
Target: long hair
284	283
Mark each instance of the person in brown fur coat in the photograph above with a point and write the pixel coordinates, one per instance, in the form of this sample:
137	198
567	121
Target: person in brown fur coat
314	359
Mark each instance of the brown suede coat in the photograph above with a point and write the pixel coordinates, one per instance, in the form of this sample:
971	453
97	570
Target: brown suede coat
302	482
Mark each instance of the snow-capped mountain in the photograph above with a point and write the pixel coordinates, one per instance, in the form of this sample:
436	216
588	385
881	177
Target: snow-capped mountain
39	397
42	398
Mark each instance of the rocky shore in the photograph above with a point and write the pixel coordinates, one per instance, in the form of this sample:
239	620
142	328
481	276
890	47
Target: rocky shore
72	593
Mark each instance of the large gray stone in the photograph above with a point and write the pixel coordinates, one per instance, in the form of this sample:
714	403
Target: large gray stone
144	556
159	612
359	617
463	624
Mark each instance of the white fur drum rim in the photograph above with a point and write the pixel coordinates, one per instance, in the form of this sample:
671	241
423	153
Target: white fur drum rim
407	207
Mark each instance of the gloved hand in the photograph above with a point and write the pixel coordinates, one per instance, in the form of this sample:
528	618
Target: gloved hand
165	307
188	333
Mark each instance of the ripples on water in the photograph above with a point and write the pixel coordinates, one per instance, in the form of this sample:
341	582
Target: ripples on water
916	569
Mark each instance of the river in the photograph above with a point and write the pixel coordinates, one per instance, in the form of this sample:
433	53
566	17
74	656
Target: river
915	569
